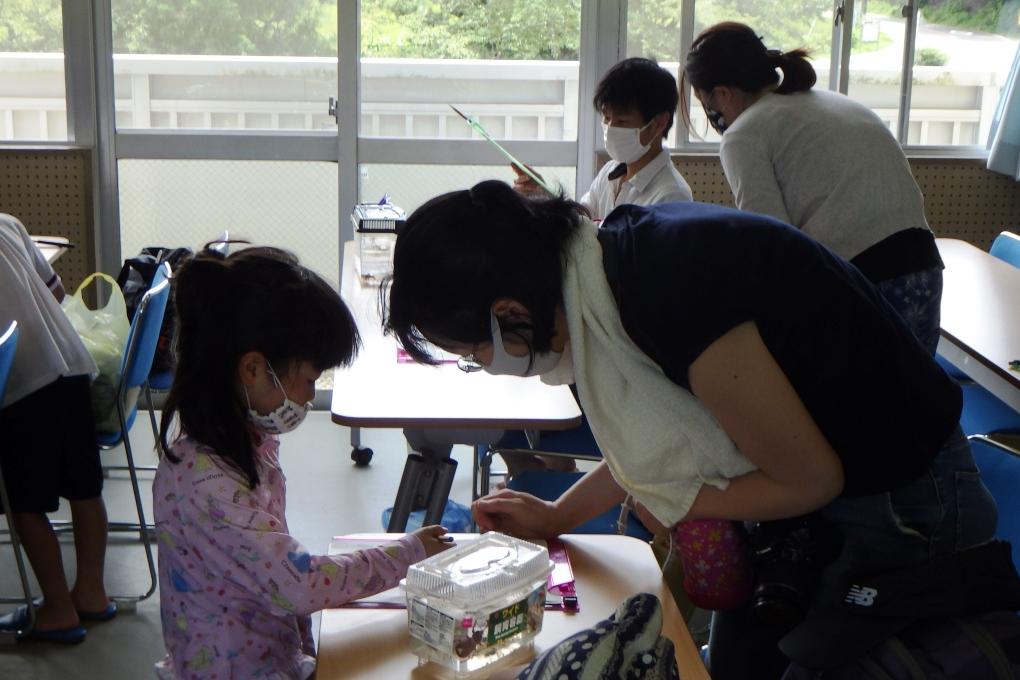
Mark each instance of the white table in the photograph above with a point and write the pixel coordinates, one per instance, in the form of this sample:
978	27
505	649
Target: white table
52	247
377	391
374	643
980	323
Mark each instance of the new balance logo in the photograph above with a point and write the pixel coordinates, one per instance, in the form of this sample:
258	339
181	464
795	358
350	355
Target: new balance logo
862	596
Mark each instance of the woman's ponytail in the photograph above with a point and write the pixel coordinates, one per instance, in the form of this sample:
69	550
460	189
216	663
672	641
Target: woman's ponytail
733	55
798	74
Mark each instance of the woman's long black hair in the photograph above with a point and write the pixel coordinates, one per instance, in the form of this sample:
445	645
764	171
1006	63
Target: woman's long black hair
460	252
256	299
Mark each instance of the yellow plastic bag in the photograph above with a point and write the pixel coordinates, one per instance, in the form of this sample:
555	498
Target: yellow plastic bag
104	332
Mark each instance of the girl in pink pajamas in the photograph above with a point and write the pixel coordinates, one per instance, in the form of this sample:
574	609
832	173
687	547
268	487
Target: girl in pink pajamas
255	330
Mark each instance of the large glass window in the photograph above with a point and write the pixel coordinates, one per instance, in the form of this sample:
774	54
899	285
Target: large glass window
962	55
411	185
876	58
292	205
654	31
254	65
510	63
33	103
962	52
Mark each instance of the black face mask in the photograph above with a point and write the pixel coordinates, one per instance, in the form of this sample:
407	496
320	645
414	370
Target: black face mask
716	120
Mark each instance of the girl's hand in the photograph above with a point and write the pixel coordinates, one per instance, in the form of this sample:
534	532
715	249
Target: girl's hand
434	539
516	513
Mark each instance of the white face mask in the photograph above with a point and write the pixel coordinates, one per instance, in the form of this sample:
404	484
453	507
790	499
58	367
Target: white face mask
563	372
624	144
507	364
284	418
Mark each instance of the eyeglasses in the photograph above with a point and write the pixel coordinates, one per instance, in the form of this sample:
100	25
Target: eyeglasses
468	364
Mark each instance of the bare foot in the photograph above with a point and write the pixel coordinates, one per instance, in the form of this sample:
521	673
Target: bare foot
89	600
49	617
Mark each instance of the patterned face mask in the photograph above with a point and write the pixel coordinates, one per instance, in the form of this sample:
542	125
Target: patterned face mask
284	418
716	120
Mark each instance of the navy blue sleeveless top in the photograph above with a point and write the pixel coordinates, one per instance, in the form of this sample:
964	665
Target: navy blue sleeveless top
684	274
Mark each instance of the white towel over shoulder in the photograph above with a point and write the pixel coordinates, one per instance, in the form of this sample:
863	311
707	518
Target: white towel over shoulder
659	441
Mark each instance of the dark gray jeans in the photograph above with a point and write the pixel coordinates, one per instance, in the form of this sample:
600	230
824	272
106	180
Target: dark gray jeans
946	509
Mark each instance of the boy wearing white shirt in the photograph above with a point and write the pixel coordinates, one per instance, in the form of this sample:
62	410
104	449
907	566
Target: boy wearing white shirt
637	99
48	449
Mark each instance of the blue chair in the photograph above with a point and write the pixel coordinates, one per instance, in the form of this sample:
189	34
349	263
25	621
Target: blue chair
134	373
162	380
577	443
984	413
1006	247
8	344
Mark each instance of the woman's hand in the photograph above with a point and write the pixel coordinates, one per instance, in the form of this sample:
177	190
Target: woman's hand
434	539
516	513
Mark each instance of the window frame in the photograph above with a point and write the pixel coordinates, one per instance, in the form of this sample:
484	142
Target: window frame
91	122
839	79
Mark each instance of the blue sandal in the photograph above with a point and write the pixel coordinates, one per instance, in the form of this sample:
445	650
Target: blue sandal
18	620
105	615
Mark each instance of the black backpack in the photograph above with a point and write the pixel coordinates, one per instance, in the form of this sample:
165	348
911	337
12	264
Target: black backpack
135	279
985	647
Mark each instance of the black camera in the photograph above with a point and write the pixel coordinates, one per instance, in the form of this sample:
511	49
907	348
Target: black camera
787	556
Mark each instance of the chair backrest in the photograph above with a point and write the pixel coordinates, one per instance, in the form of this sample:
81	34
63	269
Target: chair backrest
141	344
1006	247
8	343
222	243
162	274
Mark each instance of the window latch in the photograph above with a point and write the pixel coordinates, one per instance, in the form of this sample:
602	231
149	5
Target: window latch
907	10
840	13
332	108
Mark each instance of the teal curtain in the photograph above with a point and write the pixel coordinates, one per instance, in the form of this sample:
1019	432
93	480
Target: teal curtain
1004	136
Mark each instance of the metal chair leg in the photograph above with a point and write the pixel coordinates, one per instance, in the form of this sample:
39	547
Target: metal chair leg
19	560
991	441
143	527
155	435
475	467
484	472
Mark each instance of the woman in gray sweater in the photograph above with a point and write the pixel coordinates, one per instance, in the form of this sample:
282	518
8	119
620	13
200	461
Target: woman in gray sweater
819	161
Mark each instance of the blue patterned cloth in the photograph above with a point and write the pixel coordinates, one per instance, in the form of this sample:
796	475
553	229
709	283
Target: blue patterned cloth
918	298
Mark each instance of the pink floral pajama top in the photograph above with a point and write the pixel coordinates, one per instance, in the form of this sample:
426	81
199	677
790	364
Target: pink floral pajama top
236	589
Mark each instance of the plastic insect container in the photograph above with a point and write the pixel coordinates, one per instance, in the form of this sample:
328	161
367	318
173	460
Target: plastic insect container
375	234
477	604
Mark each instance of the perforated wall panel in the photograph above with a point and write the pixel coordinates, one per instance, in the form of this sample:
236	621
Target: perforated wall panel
962	199
50	191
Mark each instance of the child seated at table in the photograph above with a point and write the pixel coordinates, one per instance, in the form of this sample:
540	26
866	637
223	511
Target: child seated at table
254	332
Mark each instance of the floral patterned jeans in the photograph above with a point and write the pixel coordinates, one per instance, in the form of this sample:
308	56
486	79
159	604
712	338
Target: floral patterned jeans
918	298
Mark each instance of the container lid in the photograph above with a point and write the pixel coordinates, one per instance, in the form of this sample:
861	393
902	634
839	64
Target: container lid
479	570
382	217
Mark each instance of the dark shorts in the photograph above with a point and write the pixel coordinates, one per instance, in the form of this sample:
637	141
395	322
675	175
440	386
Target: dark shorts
48	447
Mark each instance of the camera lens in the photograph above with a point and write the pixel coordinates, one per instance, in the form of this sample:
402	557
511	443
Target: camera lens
778	605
